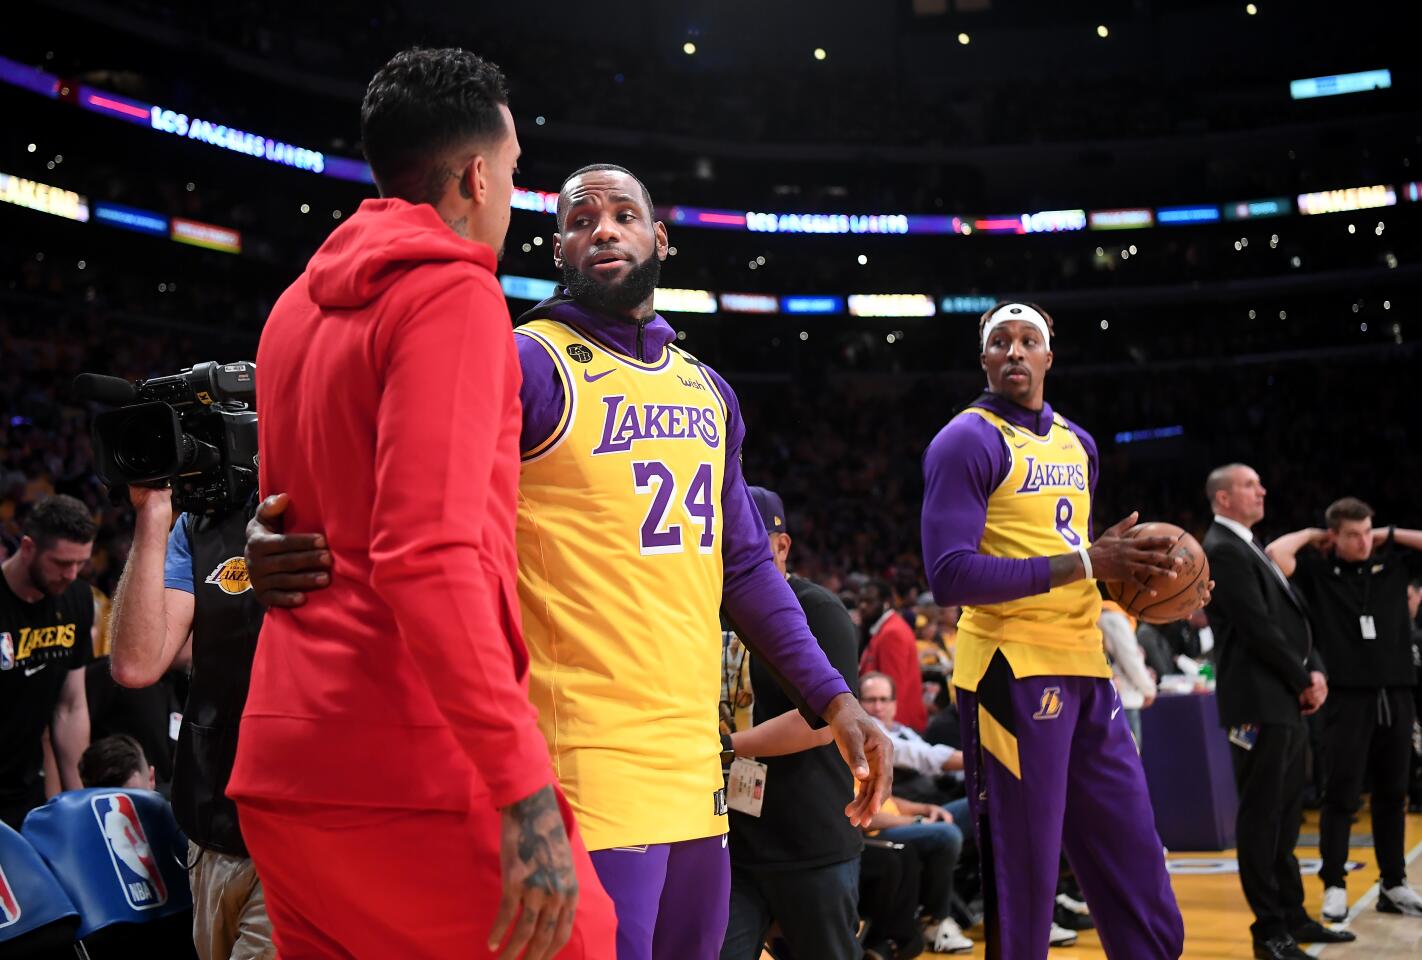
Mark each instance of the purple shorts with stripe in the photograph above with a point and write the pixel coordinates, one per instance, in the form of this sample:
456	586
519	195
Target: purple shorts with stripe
672	899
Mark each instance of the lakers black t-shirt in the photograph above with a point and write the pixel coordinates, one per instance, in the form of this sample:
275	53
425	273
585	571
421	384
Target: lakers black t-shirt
39	644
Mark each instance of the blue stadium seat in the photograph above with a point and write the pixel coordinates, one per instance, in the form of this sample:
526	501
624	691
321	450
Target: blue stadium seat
37	918
120	857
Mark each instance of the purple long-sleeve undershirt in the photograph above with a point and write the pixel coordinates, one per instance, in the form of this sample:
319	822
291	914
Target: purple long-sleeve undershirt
963	465
756	596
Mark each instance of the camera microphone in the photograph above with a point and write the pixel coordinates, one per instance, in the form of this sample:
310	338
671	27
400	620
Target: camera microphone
114	391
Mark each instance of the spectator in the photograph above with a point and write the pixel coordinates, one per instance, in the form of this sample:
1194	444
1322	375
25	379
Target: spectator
1134	683
892	650
46	624
1355	581
931	832
796	862
117	761
918	764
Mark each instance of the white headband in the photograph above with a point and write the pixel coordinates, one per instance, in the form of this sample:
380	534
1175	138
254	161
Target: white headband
1017	311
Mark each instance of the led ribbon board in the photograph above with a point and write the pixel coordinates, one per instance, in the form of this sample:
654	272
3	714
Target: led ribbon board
527	288
1350	198
890	305
1340	83
44	198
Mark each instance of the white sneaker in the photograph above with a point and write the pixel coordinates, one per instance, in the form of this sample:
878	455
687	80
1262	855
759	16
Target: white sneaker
1401	899
1061	937
1335	904
948	937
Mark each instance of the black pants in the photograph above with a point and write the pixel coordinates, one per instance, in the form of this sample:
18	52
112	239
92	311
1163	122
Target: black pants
888	895
817	910
1366	731
1270	780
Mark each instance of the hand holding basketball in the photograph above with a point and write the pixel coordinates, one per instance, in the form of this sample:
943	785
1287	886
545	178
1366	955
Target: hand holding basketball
1176	588
1123	555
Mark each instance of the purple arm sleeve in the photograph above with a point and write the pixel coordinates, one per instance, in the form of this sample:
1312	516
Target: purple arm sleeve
758	600
962	466
541	393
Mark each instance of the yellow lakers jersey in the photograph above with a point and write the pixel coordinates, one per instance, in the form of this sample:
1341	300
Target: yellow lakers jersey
620	576
1040	509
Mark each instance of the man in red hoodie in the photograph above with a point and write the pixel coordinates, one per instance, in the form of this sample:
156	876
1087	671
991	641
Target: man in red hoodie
390	777
893	651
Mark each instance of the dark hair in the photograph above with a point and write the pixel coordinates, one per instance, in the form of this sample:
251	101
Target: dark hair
420	103
1220	478
1348	508
594	168
982	321
881	586
59	517
111	761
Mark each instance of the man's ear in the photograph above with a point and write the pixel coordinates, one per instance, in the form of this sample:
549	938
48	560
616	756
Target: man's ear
558	250
1049	360
663	244
474	185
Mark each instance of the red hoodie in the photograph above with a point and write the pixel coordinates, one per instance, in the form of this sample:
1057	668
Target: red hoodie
388	397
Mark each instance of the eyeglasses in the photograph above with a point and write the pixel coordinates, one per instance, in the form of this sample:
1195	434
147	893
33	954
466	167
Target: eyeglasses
876	699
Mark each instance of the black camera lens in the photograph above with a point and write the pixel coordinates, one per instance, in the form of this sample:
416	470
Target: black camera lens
144	446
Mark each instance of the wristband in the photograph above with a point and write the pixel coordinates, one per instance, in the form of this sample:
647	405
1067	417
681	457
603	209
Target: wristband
1085	562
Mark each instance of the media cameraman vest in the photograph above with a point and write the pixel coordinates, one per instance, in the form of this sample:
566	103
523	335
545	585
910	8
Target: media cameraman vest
226	621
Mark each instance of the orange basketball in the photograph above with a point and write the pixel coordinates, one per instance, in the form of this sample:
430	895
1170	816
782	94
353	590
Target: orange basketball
1175	599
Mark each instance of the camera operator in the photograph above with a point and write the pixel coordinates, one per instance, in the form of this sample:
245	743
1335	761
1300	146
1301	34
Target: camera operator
193	580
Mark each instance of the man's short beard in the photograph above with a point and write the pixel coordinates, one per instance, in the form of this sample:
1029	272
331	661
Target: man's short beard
618	298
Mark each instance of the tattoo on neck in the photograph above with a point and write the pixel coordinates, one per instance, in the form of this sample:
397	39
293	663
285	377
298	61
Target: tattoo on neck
459	226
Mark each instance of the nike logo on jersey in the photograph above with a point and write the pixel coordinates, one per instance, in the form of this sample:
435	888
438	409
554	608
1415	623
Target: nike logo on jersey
595	377
31	671
1115	710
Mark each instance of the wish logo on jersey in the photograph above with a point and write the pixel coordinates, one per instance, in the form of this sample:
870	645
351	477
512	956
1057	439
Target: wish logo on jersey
626	423
133	858
230	576
9	903
1049	476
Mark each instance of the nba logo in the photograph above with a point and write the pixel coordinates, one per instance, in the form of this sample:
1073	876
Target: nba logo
9	903
7	652
134	861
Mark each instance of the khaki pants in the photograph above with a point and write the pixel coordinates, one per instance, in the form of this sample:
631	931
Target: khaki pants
229	911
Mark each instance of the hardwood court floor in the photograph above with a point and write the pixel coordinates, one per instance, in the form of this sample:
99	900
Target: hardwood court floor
1217	918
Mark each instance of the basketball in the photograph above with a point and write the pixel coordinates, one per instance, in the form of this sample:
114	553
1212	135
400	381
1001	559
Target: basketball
1176	599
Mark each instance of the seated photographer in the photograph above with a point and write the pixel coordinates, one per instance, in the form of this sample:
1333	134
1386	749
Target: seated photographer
117	761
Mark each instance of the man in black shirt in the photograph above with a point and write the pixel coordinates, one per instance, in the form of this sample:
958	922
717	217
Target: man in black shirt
797	863
46	638
1355	580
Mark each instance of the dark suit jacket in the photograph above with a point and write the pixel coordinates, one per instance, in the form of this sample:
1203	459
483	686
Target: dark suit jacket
1263	646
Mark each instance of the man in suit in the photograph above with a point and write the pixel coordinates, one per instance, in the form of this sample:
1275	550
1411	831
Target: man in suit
1269	677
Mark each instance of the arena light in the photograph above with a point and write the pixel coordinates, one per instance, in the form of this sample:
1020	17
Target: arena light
1054	221
131	218
1351	198
1152	433
1175	216
1002	224
1258	209
749	303
804	305
1339	84
673	300
34	195
113	105
1413	190
535	201
758	222
28	78
206	235
1131	218
966	304
527	288
702	217
890	305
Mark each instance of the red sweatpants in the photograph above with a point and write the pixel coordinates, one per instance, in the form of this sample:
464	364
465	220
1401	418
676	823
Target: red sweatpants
357	883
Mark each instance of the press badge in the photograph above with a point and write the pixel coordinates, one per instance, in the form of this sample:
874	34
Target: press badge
1244	736
1369	628
747	786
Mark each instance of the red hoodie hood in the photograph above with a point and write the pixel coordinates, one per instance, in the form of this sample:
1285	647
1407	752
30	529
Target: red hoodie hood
378	244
